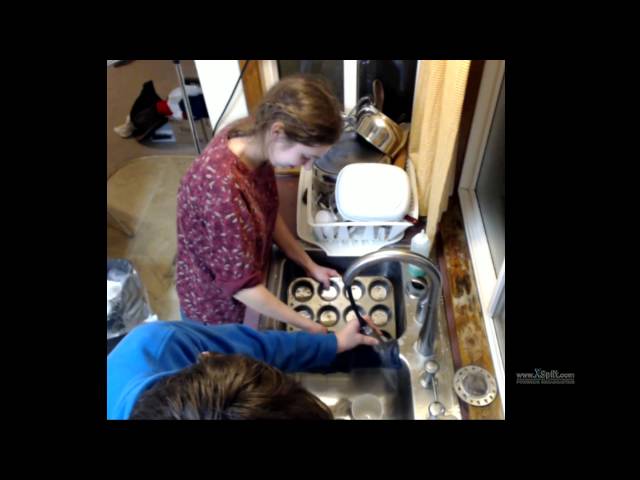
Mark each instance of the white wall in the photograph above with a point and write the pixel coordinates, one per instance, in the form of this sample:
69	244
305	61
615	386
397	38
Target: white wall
217	78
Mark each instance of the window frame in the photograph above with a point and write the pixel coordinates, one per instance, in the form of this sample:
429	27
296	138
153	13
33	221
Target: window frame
491	283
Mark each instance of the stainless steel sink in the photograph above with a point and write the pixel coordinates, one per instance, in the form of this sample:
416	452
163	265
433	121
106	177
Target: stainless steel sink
400	390
392	387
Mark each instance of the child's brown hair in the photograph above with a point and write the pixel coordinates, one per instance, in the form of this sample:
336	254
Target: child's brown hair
310	112
228	387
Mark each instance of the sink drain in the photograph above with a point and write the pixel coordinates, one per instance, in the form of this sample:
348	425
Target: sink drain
475	386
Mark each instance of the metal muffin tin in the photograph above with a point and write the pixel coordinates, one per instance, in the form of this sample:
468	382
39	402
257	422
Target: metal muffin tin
331	307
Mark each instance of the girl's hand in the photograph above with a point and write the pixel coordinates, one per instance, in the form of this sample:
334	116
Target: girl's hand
350	337
322	274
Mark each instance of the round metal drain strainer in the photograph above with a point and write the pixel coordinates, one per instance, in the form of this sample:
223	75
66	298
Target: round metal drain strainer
475	386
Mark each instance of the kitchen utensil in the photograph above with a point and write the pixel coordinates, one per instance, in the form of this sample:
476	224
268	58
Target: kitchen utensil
378	129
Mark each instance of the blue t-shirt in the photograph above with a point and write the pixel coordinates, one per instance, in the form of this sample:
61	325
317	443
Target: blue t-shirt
155	350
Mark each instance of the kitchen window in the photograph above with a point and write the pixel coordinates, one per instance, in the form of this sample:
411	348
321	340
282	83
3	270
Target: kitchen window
353	79
398	79
331	70
490	185
482	201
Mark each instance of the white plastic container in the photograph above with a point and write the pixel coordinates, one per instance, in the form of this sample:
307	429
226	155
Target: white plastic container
373	192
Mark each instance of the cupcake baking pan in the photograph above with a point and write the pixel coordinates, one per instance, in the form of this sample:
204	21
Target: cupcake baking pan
331	307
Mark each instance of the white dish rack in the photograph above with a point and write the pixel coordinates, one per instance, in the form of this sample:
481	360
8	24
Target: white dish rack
347	238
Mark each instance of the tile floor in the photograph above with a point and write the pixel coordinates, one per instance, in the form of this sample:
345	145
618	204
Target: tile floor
142	195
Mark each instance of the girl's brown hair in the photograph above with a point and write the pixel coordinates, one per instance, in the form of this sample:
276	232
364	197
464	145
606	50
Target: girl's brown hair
228	387
311	114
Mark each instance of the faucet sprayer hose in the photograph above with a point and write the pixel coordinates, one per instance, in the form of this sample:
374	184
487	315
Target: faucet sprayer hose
367	329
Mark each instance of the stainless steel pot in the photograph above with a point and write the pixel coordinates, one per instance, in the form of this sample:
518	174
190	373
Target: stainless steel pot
378	129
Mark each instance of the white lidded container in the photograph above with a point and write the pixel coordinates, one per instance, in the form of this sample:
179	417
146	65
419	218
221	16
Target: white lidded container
373	192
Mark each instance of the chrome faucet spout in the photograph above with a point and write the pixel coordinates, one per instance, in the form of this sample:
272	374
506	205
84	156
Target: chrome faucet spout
427	310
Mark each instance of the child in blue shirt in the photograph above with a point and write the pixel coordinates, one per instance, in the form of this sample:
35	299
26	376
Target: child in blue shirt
187	370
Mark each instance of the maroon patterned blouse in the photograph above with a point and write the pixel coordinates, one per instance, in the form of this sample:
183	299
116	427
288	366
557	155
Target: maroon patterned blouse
226	217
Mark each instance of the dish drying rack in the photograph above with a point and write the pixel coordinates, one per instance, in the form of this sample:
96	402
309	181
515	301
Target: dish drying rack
343	237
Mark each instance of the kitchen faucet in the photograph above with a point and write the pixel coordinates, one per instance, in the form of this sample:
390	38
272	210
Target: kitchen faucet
426	313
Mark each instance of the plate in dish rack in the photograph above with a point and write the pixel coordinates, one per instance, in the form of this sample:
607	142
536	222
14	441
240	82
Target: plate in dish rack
335	248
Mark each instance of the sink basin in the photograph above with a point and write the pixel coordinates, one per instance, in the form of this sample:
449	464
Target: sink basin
392	387
358	372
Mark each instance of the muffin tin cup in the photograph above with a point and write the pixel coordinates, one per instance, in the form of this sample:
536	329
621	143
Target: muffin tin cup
305	311
357	289
380	315
332	310
329	294
328	316
302	290
348	316
379	290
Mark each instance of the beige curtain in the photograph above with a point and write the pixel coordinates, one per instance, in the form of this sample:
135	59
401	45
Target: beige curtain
437	107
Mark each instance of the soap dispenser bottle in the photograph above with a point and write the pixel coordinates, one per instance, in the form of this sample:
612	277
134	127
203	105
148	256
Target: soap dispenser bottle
420	245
